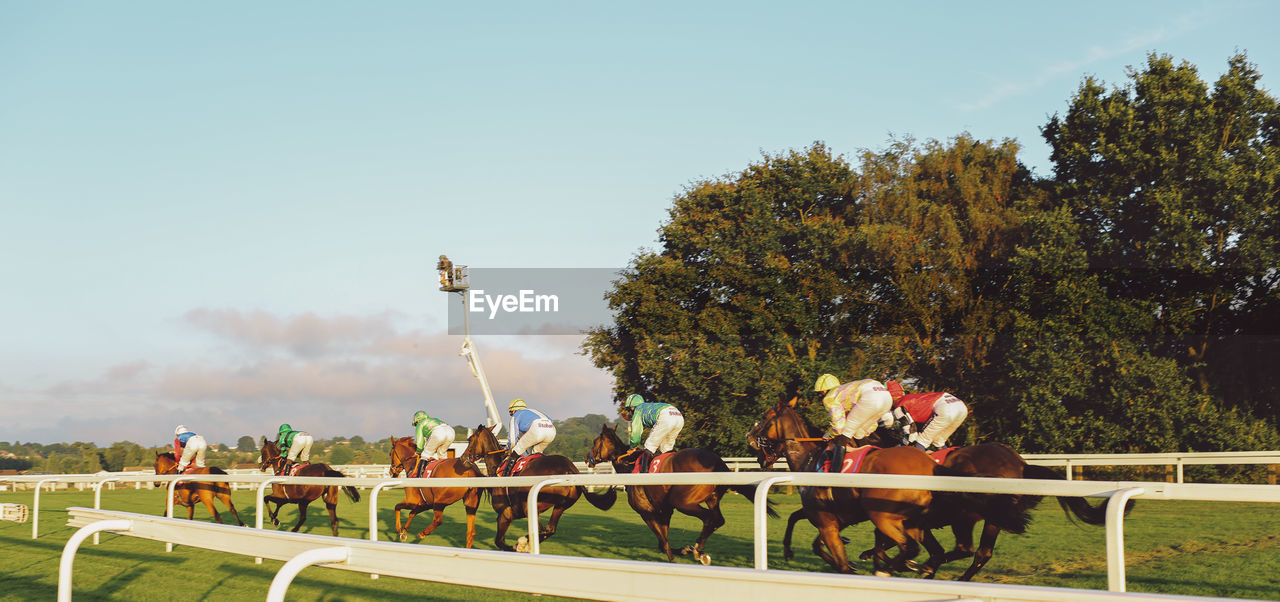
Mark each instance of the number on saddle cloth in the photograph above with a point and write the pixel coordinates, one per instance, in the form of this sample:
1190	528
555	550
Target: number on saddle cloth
519	464
655	464
293	470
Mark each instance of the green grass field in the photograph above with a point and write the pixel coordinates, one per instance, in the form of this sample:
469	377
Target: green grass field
1194	548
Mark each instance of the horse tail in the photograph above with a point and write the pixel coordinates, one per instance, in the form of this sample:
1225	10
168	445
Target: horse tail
602	501
1080	507
749	492
350	490
1002	510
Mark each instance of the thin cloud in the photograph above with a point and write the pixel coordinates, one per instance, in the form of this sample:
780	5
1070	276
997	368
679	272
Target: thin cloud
1147	40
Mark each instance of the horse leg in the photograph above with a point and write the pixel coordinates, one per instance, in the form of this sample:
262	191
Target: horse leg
786	537
302	514
986	546
226	501
712	519
505	519
892	526
471	502
962	528
829	534
545	534
403	530
206	498
931	545
332	507
437	519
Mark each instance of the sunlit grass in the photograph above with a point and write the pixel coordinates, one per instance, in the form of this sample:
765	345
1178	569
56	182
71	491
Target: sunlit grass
1196	548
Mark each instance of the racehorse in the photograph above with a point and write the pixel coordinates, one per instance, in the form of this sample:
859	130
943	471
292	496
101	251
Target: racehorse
404	458
898	514
1000	460
656	503
511	503
188	494
302	495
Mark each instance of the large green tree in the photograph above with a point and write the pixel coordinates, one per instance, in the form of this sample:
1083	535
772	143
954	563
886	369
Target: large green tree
1173	186
801	265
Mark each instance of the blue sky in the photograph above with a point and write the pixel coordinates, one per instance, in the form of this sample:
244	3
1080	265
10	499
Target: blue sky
226	215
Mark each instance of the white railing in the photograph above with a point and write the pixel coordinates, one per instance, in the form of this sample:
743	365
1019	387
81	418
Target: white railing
592	578
1176	459
1117	491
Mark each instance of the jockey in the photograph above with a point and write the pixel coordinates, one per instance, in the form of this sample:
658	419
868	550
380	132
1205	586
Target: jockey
530	433
665	420
296	445
940	413
855	408
188	445
432	437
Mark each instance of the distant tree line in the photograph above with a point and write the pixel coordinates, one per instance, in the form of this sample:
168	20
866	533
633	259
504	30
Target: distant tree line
573	439
1127	302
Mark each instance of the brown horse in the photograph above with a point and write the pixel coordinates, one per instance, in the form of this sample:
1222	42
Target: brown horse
404	458
511	503
899	514
189	494
656	503
302	495
1000	460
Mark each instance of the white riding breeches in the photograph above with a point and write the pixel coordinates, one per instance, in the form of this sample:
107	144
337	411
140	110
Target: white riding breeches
540	434
948	413
300	449
662	438
438	442
863	416
193	449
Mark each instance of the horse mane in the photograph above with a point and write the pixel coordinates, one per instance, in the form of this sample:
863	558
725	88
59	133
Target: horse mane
789	414
168	455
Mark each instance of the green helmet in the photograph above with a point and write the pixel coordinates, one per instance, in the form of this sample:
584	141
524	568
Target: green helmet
632	401
419	416
284	428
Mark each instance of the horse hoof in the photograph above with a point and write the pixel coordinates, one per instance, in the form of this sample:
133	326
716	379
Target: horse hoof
687	550
705	559
882	574
913	565
404	537
868	555
522	545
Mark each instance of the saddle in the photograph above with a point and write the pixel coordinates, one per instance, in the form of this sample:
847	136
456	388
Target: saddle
424	469
517	467
940	456
655	465
293	470
851	462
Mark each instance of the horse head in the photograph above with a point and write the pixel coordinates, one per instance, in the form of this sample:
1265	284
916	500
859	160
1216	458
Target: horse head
269	455
780	423
402	456
165	464
481	443
606	447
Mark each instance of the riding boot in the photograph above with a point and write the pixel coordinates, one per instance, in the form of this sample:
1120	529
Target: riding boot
288	464
646	458
835	450
508	463
920	446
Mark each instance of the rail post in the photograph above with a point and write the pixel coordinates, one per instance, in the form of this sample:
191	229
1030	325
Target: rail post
97	499
35	506
532	502
373	511
1115	537
261	506
73	544
280	584
761	525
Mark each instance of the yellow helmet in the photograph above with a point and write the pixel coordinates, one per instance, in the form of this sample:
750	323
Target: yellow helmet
826	382
516	404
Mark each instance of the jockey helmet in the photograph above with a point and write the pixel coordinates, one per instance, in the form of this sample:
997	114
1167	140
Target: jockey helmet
633	400
419	416
895	389
284	428
182	428
826	382
516	404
